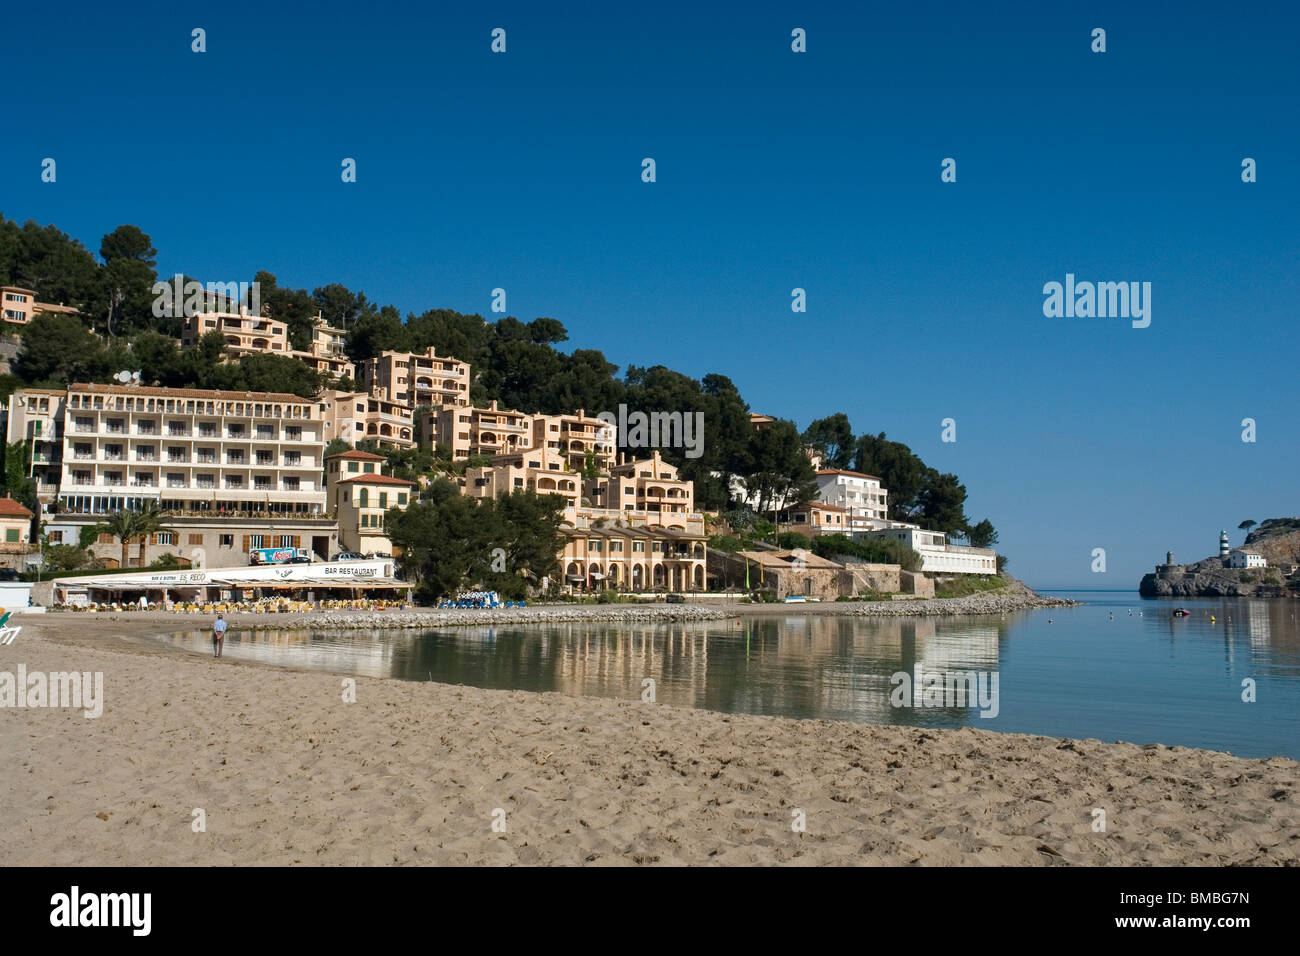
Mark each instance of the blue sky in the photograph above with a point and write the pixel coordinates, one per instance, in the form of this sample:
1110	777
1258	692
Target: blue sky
775	170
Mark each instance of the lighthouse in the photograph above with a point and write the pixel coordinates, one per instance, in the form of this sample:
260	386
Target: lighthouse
1223	544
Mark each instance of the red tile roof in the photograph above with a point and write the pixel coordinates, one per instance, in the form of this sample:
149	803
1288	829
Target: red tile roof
375	480
216	394
357	455
13	509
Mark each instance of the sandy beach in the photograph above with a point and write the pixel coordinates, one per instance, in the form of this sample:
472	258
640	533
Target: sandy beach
285	772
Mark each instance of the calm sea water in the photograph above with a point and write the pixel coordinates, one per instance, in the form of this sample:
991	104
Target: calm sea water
1093	671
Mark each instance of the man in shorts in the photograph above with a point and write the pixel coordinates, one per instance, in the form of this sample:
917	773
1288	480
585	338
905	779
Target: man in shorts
218	634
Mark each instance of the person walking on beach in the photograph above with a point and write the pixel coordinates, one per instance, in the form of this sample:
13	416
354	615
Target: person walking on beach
218	634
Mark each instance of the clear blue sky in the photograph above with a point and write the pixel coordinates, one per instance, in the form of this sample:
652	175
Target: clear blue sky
775	170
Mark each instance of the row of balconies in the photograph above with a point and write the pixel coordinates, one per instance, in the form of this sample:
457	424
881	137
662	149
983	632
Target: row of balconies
261	461
232	434
304	491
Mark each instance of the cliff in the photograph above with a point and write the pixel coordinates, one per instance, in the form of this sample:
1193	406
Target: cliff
1277	539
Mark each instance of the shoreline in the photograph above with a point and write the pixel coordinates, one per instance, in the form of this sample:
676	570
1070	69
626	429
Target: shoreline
287	773
970	605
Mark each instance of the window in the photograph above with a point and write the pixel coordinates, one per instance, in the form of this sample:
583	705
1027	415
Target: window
256	541
352	467
370	468
166	537
226	541
363	497
638	547
196	539
11	535
291	484
401	497
383	499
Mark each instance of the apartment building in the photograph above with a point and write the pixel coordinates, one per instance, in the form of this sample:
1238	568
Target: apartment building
605	549
416	379
358	416
244	334
863	499
651	487
467	430
574	436
543	470
18	306
359	496
328	352
247	334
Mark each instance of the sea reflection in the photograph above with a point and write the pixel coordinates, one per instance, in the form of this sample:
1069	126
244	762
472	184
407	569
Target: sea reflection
825	667
1118	668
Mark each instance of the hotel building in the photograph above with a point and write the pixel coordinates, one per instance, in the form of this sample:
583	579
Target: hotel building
227	466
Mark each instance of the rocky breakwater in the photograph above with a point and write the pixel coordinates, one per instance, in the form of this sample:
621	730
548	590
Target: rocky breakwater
452	617
1003	602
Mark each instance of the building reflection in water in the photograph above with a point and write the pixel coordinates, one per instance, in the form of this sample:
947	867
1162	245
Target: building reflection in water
812	667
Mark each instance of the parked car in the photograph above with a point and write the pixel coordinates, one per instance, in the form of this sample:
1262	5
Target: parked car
347	556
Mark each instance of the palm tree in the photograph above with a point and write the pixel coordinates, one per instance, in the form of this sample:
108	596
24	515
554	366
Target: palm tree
124	526
150	519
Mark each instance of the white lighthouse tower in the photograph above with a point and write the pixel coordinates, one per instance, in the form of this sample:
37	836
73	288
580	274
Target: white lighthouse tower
1223	545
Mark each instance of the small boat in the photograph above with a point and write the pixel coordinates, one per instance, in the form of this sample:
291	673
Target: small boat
796	599
1182	612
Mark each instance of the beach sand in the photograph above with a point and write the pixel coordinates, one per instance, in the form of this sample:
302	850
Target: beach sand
411	773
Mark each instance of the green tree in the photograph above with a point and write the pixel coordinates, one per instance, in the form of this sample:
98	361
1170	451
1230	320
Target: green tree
122	525
17	485
942	501
1247	525
780	473
900	471
59	350
833	438
129	275
983	535
149	520
373	333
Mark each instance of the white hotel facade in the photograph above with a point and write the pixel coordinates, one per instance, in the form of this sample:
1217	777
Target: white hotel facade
235	470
